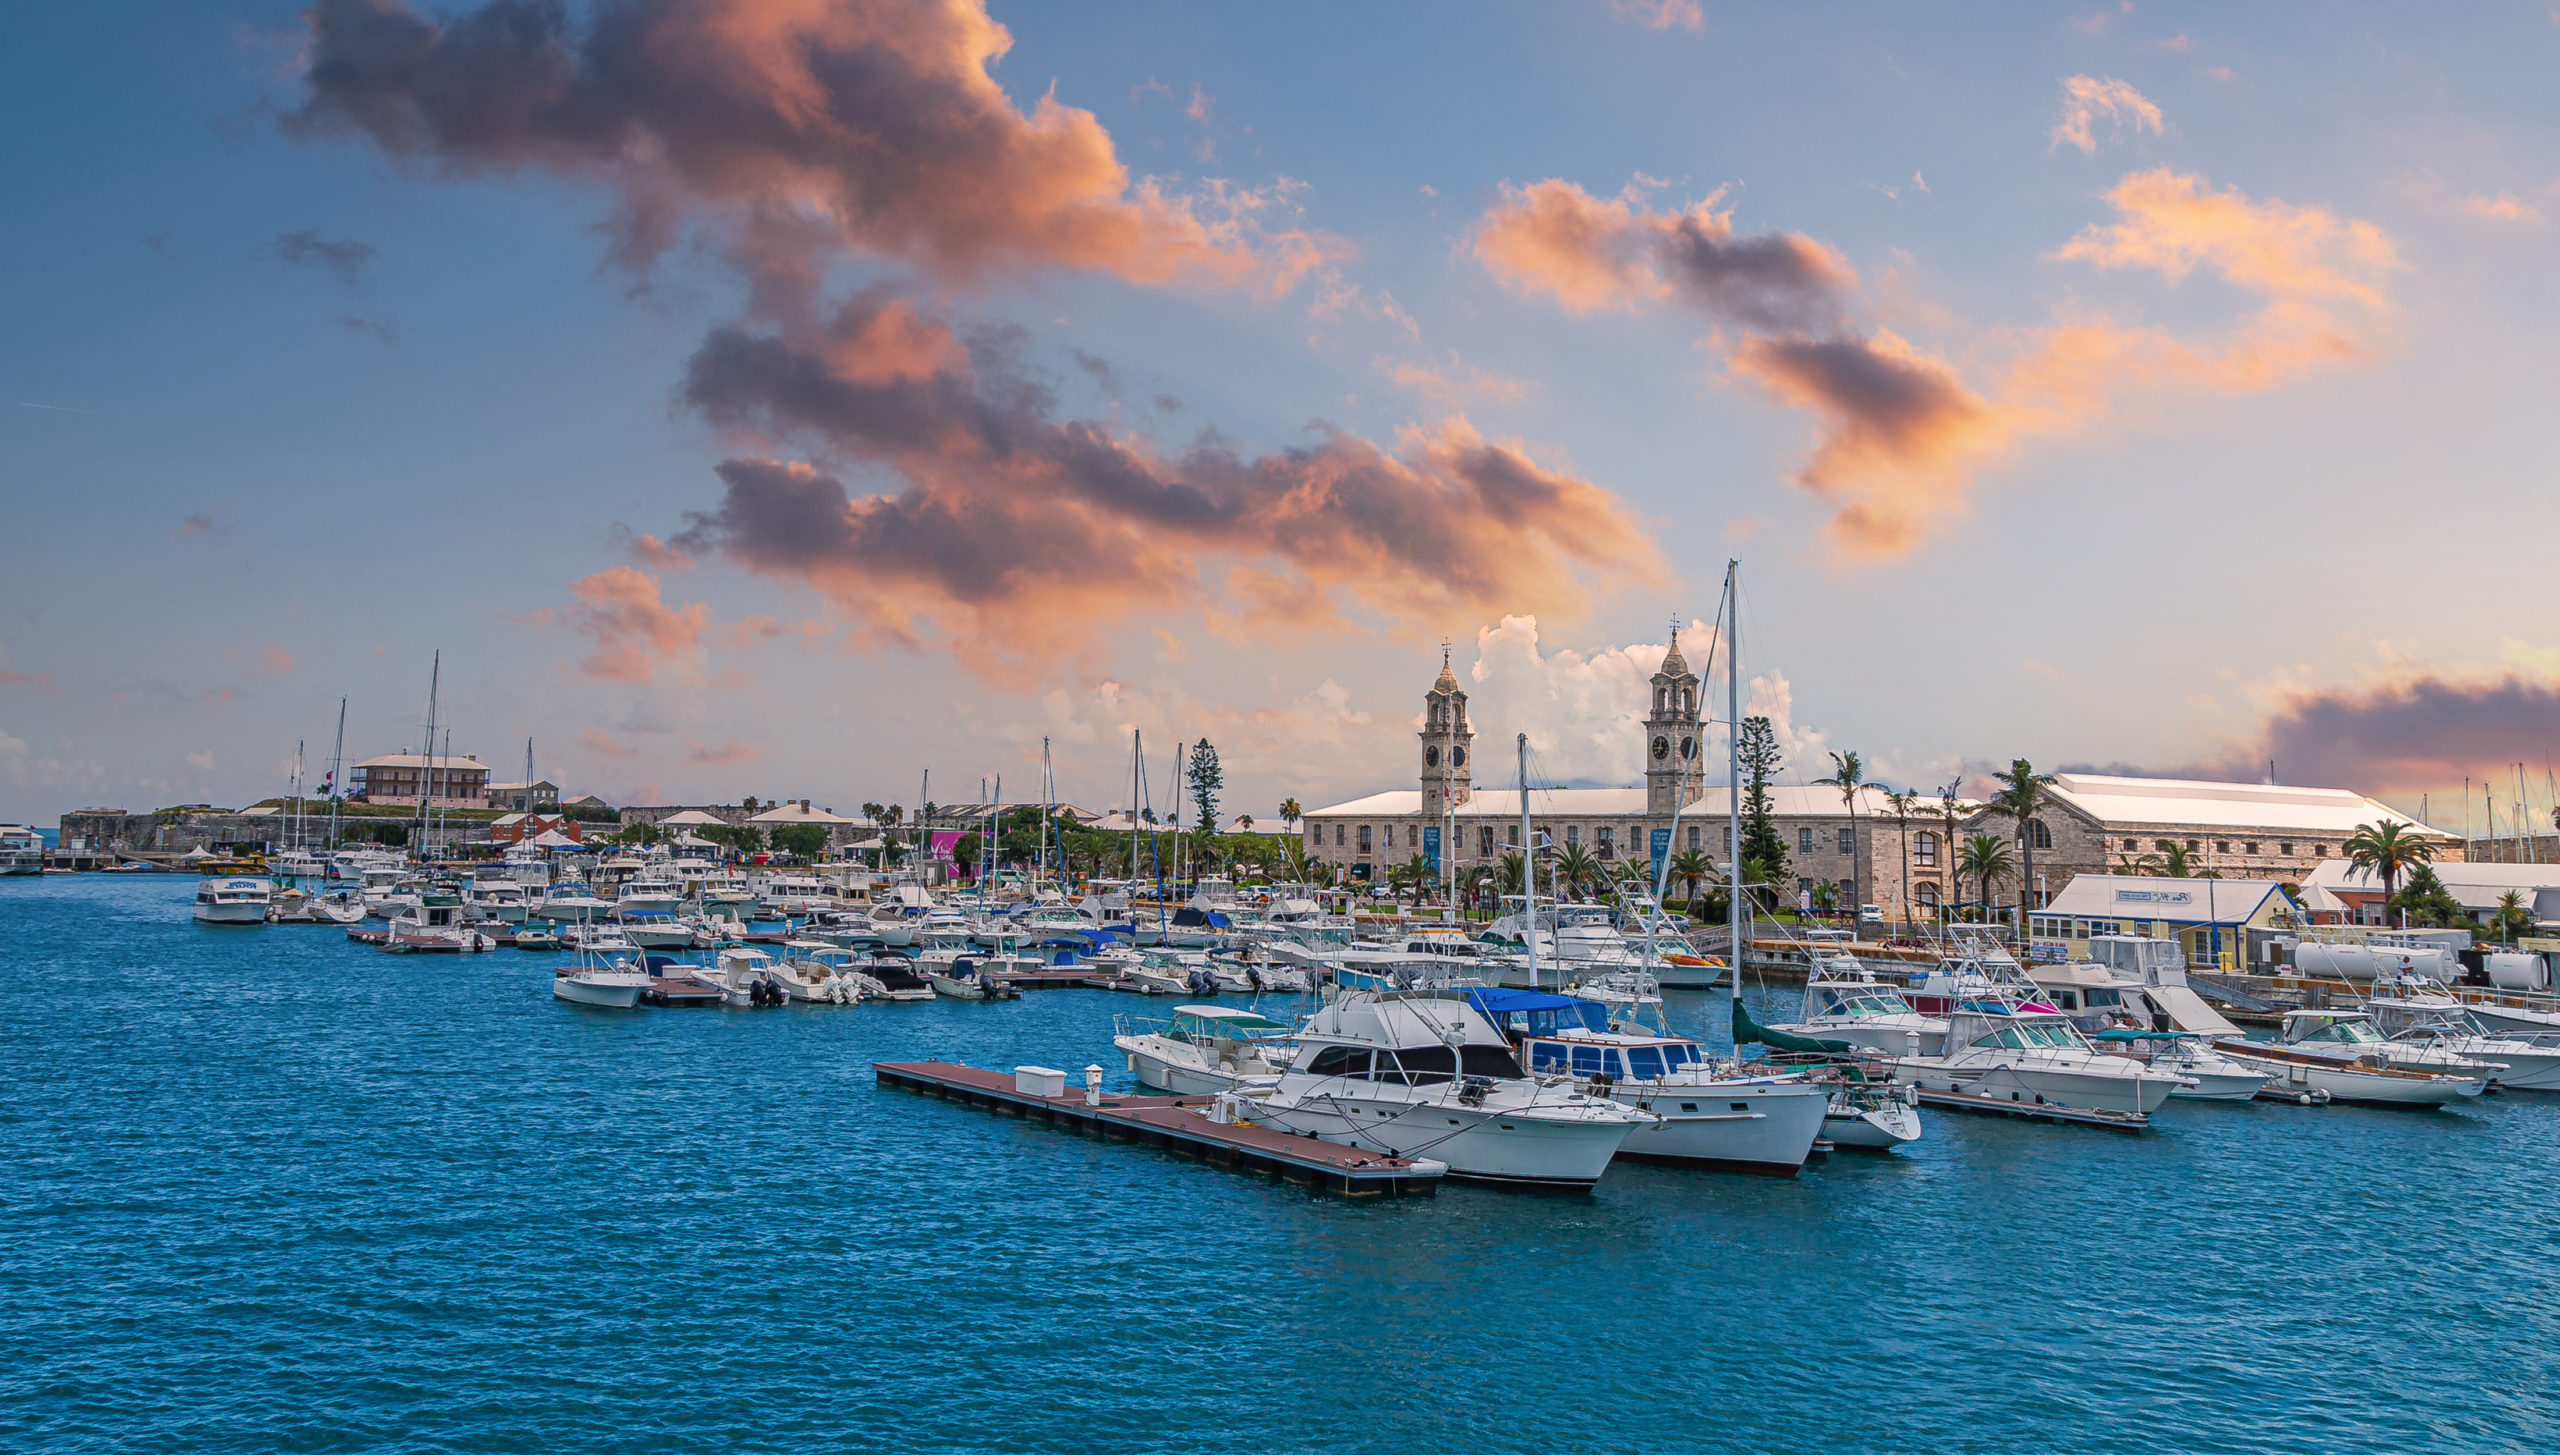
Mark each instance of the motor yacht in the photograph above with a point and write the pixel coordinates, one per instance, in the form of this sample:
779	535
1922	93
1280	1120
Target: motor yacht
1871	1116
2351	1036
434	925
233	899
2519	1063
2009	1048
1203	1049
1418	1075
1709	1115
490	898
2366	1081
2131	980
571	901
1847	1004
292	864
817	973
21	850
338	907
2400	1001
896	978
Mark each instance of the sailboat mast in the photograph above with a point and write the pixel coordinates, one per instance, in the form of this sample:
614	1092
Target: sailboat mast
1528	865
427	752
1733	771
337	769
1175	790
1048	815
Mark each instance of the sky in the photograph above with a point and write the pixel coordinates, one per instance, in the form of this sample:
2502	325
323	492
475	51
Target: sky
793	397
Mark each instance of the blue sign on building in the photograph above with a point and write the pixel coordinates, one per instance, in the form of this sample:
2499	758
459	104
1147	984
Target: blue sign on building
1661	851
1431	846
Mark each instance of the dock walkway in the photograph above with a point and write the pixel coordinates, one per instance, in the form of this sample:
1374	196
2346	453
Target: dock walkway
1175	1124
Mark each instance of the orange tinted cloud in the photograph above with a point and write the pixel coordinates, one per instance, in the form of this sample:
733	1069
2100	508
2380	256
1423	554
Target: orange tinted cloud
797	127
595	741
2085	99
2172	222
1595	253
732	751
633	630
1661	14
1014	531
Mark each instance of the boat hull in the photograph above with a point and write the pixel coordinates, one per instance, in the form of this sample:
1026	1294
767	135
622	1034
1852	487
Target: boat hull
2355	1085
1873	1129
2080	1090
617	992
231	914
1768	1129
1479	1145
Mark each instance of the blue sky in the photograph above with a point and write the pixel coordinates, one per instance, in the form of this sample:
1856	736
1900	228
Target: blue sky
256	484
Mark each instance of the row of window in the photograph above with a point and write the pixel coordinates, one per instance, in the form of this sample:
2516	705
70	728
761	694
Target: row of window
2284	848
1413	1066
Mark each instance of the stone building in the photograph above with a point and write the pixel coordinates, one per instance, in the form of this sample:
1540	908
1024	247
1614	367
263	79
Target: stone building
457	782
2257	831
1867	854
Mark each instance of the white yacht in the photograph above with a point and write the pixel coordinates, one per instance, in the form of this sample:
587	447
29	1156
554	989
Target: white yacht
2367	1079
2130	980
2351	1035
2204	1074
818	973
1711	1116
488	897
434	924
232	899
2400	1001
294	864
1203	1049
571	902
1414	1075
1848	1005
2517	1064
2007	1048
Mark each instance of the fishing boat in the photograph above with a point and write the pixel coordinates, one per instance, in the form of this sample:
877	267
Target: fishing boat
434	925
1871	1116
593	980
2371	1081
2004	1047
1846	1003
962	980
2351	1035
817	973
896	979
493	898
742	975
2203	1073
235	899
571	902
535	935
1203	1049
1418	1075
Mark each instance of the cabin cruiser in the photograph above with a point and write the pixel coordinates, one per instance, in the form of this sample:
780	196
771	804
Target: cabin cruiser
291	864
1197	925
818	973
964	980
1849	1005
1203	1049
434	924
571	902
1710	1116
896	978
1417	1075
2004	1046
2400	1001
802	896
232	900
2203	1073
2350	1035
593	980
1165	972
1425	959
2518	1064
897	916
502	900
2368	1080
387	889
2134	980
21	850
338	907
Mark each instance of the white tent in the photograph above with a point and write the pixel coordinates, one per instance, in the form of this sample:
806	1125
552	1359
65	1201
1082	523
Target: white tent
198	852
554	839
694	841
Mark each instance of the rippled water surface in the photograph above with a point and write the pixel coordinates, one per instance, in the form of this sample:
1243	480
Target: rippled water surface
268	1190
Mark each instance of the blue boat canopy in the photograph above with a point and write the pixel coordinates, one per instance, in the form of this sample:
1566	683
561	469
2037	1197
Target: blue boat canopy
1537	1012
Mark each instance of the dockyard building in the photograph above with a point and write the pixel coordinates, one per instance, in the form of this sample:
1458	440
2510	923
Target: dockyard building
457	782
2209	918
2098	824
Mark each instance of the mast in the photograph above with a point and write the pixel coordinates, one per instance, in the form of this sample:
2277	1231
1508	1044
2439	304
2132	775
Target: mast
1733	771
1176	791
337	766
427	755
1048	814
1137	778
1528	865
924	832
297	793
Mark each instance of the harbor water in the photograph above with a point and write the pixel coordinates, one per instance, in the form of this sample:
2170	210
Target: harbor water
267	1190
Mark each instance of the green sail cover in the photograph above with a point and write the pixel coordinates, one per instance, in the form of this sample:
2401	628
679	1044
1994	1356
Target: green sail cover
1745	1031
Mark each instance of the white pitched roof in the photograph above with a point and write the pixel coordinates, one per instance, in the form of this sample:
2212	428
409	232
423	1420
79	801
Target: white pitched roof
2224	805
2153	897
692	816
793	813
2473	886
453	762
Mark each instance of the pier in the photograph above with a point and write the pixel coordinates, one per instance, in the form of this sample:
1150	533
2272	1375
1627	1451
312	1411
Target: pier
1174	1124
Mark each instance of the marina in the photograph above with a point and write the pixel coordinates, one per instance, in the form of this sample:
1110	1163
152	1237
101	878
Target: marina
564	1140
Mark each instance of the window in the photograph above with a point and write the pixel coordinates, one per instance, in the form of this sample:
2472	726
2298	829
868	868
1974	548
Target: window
1848	840
1728	838
1387	1070
1586	1061
2222	846
2038	834
1364	838
1484	841
2248	848
1573	833
2285	849
1412	835
1340	1061
1644	1063
1927	893
1491	1061
1337	836
1544	1056
1804	839
1924	849
2192	845
1608	841
2132	844
1695	838
1511	835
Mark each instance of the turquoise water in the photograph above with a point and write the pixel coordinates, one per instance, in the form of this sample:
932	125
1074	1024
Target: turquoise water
266	1190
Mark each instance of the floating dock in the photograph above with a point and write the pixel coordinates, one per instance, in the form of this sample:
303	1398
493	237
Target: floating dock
1175	1124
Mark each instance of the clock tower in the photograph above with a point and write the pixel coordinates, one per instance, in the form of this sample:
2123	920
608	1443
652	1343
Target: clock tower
1448	744
1671	734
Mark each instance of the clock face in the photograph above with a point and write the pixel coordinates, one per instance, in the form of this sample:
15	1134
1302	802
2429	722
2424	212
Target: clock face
1688	748
1661	748
1457	757
1431	757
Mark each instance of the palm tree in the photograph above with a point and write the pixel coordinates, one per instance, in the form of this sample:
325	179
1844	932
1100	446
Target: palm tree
2177	861
1290	813
2389	850
1849	774
2144	864
1689	866
1575	866
1509	877
2020	799
1985	858
1826	895
1903	802
2512	915
1947	801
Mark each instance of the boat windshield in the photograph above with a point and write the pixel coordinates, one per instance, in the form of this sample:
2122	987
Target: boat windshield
2030	1035
1863	1003
2353	1033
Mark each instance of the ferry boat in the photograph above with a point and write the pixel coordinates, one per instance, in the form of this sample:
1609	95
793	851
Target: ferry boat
233	900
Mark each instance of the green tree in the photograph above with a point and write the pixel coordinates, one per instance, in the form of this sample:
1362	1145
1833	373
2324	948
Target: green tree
1826	895
2389	850
1207	778
1689	866
1290	813
965	852
803	841
1985	859
1760	758
642	834
2138	864
2020	799
1575	867
1848	775
1904	802
1508	877
2425	902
